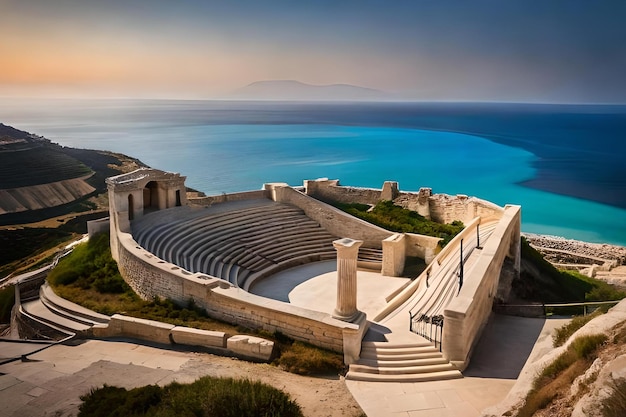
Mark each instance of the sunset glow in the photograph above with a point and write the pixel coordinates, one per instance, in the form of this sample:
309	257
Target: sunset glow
564	51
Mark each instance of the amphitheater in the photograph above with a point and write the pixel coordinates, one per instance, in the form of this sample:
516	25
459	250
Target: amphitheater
282	259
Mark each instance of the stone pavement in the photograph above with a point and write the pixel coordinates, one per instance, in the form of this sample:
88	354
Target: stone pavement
51	381
498	359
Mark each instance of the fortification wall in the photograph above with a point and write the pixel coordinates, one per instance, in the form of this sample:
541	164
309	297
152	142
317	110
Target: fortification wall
206	201
330	190
446	208
466	315
151	277
332	219
441	208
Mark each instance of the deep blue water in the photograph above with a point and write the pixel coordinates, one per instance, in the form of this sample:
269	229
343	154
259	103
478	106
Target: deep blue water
563	164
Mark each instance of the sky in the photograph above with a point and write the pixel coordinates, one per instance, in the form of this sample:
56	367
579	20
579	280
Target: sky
480	50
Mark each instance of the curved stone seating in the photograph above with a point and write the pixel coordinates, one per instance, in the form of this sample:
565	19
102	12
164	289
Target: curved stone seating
237	242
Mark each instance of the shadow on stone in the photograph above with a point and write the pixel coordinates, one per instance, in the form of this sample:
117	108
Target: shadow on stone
504	347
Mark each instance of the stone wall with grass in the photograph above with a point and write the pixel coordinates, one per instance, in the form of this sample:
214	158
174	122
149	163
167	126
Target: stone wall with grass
441	208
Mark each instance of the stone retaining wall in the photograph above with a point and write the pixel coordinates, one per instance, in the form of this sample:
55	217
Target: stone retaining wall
330	190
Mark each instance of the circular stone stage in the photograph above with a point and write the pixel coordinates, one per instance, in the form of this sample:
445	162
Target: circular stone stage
314	286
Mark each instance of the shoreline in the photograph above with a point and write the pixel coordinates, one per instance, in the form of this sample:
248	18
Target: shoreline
611	253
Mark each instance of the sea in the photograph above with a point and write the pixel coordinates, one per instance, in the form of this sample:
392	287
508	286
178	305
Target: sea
564	164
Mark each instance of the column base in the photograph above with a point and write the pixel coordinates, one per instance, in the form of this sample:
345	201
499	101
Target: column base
349	318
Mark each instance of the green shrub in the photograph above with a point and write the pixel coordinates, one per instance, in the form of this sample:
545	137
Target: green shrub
90	265
585	346
205	397
566	286
582	347
560	373
7	300
564	332
304	359
397	219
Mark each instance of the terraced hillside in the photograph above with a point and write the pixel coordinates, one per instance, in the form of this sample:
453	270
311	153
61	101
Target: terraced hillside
42	187
40	164
40	179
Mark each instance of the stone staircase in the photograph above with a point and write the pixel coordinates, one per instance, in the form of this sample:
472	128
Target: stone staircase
60	314
401	362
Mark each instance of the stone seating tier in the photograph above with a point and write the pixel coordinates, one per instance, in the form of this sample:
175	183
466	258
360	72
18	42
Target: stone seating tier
235	245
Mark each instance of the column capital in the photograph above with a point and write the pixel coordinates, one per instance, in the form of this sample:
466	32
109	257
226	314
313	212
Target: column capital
347	245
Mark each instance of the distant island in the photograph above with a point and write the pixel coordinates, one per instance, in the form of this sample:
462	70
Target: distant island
296	90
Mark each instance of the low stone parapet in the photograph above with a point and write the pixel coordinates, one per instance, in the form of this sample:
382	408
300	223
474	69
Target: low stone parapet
197	337
251	347
143	329
242	346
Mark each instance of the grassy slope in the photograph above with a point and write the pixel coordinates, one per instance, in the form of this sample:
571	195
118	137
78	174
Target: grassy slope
540	281
397	219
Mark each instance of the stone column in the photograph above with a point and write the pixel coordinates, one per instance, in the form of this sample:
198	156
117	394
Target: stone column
347	252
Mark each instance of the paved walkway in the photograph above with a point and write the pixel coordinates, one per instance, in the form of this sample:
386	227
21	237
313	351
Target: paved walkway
498	359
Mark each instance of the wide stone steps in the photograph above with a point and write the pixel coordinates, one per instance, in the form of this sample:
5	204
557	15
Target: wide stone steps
37	309
422	377
414	362
68	309
61	314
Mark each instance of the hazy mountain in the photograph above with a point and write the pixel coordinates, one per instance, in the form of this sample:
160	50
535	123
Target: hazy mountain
295	90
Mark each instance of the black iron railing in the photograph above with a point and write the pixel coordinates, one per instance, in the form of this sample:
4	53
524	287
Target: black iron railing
429	327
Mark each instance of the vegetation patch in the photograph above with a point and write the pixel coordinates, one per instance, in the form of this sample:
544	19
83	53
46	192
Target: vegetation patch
39	165
560	374
564	332
558	286
397	219
18	244
206	397
305	359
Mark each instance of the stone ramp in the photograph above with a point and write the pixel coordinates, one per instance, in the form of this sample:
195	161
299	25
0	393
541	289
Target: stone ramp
401	362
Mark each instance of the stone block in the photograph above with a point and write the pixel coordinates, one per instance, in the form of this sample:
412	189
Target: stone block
197	337
251	346
151	330
101	330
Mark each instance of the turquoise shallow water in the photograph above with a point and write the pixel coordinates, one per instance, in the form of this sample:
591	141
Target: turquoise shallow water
232	157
